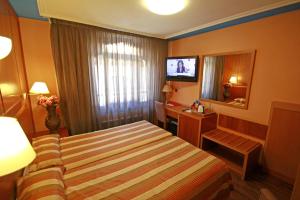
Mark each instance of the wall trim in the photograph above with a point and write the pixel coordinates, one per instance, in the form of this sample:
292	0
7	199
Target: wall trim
269	11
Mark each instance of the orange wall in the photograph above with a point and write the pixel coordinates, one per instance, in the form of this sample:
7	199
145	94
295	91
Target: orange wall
277	66
39	62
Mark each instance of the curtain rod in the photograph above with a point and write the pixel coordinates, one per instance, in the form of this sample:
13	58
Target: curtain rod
78	24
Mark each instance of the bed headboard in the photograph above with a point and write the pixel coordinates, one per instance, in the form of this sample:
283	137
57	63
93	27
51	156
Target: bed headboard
18	106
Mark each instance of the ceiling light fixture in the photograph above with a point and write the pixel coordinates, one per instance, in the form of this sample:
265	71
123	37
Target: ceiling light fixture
165	7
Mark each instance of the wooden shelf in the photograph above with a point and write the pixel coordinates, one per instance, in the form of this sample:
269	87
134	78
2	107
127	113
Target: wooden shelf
233	166
238	152
234	163
234	142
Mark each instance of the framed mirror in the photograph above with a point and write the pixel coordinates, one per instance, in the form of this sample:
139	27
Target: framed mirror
226	78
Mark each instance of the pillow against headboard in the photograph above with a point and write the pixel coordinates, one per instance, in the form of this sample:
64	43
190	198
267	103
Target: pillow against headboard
47	184
47	150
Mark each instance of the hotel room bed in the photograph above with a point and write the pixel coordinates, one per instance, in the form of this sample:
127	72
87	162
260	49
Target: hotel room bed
139	161
86	148
166	169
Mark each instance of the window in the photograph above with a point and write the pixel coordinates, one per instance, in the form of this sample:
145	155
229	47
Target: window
122	75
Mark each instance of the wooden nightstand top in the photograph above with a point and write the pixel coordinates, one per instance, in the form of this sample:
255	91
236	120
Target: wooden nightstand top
229	140
63	132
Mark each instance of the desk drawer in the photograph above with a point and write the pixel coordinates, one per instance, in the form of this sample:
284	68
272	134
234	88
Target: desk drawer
172	114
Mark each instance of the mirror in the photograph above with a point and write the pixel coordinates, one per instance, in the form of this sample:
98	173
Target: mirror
226	78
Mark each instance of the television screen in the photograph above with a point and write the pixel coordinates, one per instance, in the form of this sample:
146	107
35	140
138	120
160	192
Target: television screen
182	68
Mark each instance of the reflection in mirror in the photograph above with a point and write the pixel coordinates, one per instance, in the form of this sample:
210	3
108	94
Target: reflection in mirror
227	78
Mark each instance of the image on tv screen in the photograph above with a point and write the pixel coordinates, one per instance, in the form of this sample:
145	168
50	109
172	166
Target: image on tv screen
181	67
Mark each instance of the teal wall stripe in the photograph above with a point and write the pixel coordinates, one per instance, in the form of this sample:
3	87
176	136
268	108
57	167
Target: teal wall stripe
242	20
27	9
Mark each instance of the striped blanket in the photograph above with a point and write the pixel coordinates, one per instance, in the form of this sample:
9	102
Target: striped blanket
138	161
86	148
169	168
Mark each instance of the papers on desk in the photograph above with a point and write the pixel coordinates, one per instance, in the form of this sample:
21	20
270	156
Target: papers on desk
187	110
169	104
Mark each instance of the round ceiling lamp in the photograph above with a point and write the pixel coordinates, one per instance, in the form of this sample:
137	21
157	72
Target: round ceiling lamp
165	7
5	46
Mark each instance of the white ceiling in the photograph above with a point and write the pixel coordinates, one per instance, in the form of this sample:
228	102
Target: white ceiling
132	16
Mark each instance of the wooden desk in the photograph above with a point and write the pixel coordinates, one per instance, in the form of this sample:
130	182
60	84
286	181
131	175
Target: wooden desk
191	125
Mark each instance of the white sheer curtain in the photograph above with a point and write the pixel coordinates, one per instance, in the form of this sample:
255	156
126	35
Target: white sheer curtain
124	79
208	81
212	87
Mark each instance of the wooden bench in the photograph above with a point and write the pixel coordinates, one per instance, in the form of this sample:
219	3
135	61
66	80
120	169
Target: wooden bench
240	150
239	153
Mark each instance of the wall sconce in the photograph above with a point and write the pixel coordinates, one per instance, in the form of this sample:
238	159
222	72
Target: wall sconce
5	46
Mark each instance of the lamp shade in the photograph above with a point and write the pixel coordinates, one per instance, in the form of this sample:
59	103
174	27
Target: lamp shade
233	80
5	46
167	88
39	88
15	150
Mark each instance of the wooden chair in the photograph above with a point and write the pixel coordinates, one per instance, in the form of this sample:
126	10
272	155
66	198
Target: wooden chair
161	113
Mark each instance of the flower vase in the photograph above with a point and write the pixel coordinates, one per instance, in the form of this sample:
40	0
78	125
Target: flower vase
52	120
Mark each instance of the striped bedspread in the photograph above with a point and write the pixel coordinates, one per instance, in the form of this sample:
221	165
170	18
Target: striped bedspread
169	168
82	149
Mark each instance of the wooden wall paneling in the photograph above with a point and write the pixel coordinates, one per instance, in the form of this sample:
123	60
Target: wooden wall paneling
237	65
13	80
13	85
21	110
281	155
237	92
248	128
209	123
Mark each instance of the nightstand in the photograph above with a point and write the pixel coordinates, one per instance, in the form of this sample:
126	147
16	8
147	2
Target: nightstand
63	132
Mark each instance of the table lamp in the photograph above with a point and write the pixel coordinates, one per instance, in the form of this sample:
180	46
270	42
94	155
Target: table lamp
167	89
15	150
233	79
39	88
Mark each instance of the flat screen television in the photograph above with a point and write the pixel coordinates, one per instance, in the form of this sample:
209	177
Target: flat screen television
184	68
